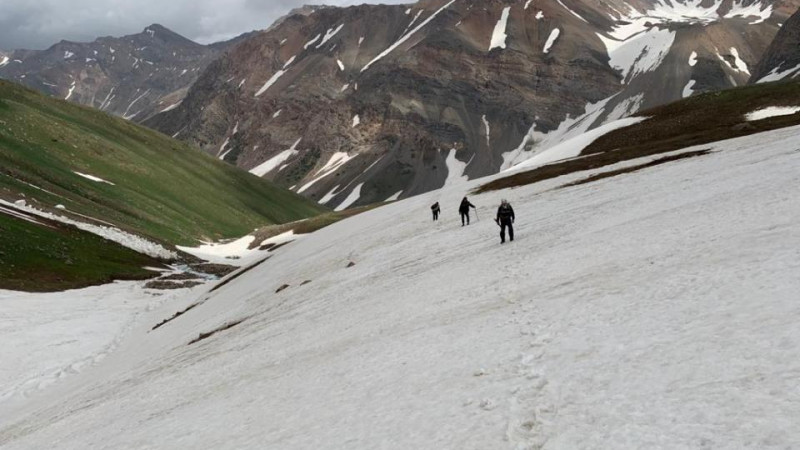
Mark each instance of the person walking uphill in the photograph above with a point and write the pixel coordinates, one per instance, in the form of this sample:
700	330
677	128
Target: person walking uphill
505	218
464	211
435	210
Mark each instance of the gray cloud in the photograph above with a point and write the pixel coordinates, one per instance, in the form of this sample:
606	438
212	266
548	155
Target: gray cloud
37	24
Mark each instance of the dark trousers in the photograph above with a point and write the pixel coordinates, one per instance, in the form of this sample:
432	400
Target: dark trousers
436	215
503	225
464	217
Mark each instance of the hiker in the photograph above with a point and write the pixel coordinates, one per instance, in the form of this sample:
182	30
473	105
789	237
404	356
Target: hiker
435	210
464	211
505	218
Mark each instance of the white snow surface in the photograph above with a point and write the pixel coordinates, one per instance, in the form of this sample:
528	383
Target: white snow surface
270	164
655	309
551	40
639	54
693	59
776	74
455	170
330	34
4	61
59	335
172	106
353	197
270	82
337	160
499	34
772	111
356	121
394	196
93	178
235	252
688	90
573	147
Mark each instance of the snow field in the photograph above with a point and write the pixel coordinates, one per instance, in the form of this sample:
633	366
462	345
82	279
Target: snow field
655	309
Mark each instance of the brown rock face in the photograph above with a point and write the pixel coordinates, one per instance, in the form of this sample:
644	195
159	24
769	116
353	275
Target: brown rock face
133	76
356	105
782	58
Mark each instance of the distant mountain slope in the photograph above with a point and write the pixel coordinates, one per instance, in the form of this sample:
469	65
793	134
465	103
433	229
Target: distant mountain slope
132	76
782	58
355	105
97	169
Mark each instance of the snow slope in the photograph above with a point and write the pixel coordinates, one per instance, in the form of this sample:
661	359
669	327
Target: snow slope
655	309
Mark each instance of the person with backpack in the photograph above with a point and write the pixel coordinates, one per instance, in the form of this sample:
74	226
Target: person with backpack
464	211
505	218
435	210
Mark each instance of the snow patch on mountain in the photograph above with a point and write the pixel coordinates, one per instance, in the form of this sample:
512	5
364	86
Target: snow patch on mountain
777	74
688	90
551	40
772	111
353	197
270	164
573	147
639	54
330	35
455	170
499	34
336	161
405	37
93	178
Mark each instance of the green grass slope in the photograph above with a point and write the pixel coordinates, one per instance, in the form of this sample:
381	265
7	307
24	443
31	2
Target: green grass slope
38	258
162	188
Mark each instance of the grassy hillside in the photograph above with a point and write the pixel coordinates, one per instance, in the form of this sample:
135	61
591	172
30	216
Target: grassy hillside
694	121
156	187
162	188
41	258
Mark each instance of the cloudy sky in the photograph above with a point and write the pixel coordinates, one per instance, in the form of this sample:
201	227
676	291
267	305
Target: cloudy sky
37	24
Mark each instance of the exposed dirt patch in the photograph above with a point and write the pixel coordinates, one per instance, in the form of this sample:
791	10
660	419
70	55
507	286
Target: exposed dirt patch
239	273
305	282
175	316
282	288
275	247
208	334
219	270
167	285
350	264
305	226
180	276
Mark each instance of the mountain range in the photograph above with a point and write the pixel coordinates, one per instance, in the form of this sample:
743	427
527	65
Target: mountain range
351	106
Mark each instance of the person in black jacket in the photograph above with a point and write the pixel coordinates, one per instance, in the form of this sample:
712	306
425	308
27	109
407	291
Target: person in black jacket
435	210
464	211
505	218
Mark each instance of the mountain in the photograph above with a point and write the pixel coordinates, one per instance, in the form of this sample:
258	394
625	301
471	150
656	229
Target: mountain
65	163
350	106
782	58
132	76
654	309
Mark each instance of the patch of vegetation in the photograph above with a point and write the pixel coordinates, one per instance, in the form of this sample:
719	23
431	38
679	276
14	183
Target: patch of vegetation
307	225
690	122
207	335
175	316
37	258
631	169
162	189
